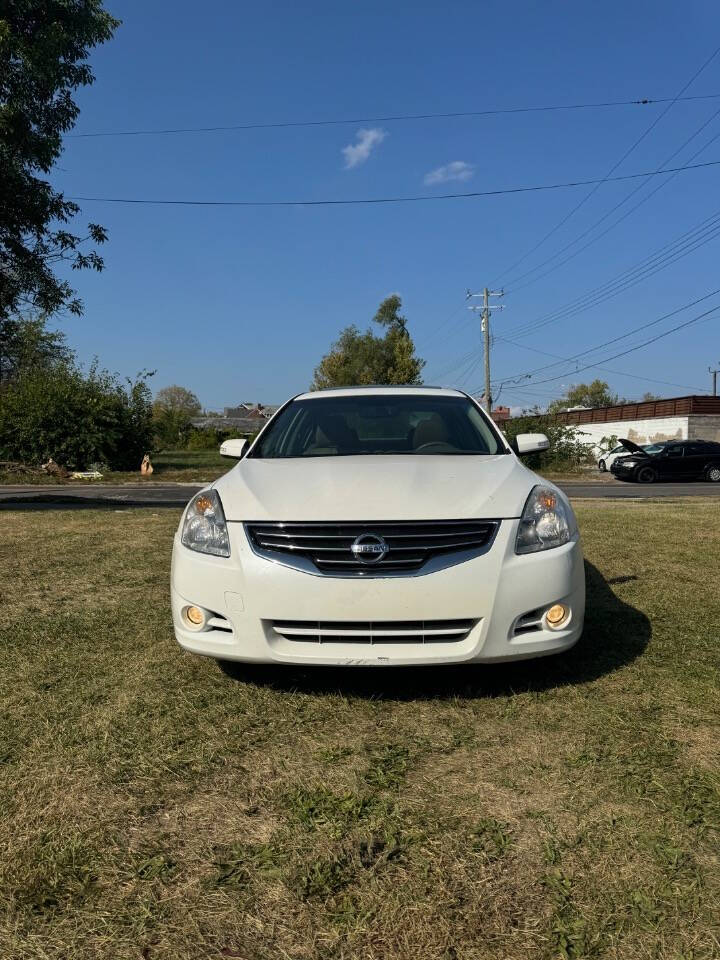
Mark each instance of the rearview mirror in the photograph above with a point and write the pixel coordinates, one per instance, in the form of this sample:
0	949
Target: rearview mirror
530	443
233	448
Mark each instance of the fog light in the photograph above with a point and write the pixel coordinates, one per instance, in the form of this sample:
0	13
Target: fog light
194	616
556	616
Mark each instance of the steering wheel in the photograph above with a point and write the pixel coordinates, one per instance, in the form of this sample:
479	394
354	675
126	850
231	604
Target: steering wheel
442	444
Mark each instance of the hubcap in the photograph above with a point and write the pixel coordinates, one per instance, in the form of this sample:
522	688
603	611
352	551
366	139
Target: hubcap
715	474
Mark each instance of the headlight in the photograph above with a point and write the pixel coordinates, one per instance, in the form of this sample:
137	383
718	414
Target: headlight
204	527
628	463
546	522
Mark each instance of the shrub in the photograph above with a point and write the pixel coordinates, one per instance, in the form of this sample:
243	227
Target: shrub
567	451
208	438
76	418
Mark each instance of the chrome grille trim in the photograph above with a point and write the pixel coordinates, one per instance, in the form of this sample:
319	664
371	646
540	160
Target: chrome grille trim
414	546
373	632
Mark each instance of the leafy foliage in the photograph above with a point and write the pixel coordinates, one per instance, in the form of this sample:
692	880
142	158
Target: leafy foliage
595	394
210	438
567	448
362	358
44	45
173	409
76	418
26	344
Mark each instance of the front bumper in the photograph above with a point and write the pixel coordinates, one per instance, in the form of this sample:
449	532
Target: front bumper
621	471
247	594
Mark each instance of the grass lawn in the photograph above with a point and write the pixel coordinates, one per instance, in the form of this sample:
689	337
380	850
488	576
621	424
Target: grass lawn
153	807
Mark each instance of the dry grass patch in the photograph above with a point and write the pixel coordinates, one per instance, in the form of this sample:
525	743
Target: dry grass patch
155	808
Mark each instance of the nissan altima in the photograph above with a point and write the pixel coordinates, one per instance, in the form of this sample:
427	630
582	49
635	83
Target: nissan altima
379	526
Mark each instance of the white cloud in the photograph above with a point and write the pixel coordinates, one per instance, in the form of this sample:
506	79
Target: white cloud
457	170
357	153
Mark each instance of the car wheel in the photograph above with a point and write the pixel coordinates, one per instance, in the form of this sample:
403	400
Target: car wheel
602	466
646	475
713	474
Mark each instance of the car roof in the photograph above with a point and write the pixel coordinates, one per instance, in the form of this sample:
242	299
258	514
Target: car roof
380	391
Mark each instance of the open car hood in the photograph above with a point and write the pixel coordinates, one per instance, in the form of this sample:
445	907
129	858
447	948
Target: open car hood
632	447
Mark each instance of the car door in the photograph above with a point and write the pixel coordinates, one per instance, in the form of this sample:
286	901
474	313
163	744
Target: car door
670	464
696	458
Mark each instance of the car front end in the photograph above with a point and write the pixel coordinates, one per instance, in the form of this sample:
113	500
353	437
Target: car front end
378	560
625	468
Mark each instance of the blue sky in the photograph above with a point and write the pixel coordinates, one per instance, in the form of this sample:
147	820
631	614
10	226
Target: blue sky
241	303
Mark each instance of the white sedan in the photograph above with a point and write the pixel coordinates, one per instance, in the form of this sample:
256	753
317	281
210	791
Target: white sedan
379	526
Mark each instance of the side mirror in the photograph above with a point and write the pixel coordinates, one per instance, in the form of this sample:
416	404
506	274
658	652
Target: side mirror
233	448
530	443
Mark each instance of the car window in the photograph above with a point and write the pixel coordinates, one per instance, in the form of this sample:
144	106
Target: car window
619	449
674	451
378	424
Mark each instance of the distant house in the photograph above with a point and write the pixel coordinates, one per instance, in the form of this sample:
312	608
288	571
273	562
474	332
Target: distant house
255	410
500	414
247	418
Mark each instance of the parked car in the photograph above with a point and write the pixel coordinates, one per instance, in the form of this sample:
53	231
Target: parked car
679	460
379	526
607	459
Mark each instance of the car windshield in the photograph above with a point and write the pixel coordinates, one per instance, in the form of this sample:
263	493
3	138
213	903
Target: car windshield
371	424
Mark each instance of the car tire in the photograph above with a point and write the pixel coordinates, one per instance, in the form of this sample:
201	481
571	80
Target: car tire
602	466
646	475
713	473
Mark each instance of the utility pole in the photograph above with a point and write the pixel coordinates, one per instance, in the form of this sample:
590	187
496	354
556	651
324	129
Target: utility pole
485	311
714	374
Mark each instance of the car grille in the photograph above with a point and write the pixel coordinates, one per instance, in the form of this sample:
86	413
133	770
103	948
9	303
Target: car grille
374	632
410	544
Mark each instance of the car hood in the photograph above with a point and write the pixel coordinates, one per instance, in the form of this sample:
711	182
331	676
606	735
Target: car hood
376	488
633	447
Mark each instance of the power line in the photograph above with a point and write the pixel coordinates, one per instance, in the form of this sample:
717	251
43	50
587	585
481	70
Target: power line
615	166
638	346
521	377
609	213
616	373
676	249
670	253
380	200
644	326
284	124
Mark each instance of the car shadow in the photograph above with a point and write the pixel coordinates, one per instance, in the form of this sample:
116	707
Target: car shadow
615	634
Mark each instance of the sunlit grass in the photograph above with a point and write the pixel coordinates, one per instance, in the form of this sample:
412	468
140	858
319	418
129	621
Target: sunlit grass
153	807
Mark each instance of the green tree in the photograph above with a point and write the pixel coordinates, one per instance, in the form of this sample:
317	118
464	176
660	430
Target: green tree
595	394
173	409
362	358
26	343
44	45
76	418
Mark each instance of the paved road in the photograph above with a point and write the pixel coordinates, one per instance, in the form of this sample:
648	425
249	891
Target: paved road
178	494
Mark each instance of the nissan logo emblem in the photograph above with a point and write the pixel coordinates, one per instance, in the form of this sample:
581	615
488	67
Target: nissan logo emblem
369	548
